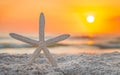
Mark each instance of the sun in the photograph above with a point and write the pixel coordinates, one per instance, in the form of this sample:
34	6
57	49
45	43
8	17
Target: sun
90	19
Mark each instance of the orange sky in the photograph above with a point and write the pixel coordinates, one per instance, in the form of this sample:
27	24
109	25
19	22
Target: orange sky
61	16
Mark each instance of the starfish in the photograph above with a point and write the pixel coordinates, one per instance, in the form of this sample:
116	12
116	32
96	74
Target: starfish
41	44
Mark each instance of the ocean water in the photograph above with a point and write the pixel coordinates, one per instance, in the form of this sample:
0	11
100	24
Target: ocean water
72	45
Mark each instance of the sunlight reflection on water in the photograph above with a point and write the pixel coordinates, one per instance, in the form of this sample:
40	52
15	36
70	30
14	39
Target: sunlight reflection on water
68	46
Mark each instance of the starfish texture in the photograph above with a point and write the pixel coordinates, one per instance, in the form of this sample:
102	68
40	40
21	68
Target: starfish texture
41	44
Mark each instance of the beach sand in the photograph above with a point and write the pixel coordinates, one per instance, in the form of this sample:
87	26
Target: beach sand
72	64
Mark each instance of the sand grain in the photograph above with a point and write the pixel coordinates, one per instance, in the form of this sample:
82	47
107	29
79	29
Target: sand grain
81	64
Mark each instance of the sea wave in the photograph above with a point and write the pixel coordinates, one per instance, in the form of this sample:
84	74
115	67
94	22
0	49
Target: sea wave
14	45
7	45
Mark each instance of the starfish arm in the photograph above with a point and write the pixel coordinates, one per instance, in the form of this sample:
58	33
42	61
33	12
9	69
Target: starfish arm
49	57
34	55
57	39
36	43
24	39
41	27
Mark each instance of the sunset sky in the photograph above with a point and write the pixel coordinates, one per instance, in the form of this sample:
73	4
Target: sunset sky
62	16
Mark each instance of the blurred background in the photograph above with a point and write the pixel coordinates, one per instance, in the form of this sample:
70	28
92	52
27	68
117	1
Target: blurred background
94	25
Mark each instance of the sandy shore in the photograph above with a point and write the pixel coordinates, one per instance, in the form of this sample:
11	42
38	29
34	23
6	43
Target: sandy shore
80	64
